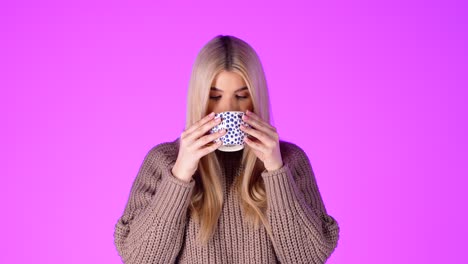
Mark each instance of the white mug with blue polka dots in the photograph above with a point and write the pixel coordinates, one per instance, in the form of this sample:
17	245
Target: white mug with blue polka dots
233	140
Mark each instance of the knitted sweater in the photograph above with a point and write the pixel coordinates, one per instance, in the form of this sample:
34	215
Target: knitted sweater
156	227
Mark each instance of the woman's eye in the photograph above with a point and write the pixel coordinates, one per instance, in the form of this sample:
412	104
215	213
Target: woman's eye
218	97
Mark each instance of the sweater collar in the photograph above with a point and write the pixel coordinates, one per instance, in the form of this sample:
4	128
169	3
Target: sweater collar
234	155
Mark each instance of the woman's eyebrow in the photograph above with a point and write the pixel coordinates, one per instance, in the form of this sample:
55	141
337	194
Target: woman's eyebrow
238	90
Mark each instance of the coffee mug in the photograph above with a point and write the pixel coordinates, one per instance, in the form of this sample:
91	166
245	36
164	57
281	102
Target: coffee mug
233	140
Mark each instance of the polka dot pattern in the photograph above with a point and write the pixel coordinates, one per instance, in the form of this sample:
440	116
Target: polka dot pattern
231	121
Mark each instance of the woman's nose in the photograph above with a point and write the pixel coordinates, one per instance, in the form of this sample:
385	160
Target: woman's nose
231	106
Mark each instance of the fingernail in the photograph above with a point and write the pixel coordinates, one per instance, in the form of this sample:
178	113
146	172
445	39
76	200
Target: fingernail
212	114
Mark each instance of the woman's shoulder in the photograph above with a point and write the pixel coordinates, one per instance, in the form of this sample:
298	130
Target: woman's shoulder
291	153
165	151
287	147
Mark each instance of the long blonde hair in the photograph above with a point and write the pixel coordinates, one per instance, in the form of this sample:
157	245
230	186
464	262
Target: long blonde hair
227	53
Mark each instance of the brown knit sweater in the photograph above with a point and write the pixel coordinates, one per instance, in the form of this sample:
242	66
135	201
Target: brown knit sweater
156	227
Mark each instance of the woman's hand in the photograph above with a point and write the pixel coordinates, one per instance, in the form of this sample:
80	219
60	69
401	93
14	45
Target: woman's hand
193	146
266	142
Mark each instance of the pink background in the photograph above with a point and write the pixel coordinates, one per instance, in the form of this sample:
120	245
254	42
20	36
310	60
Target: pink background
375	93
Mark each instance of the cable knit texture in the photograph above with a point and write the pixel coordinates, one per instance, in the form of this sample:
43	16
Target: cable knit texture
156	226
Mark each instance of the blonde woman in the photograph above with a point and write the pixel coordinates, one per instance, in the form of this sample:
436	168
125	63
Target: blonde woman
192	203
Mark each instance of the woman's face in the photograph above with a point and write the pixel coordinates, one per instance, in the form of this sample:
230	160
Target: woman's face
229	93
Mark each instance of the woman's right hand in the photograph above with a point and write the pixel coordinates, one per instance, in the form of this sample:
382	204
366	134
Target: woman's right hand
194	144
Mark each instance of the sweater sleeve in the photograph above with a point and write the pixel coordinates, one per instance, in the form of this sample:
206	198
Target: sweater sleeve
152	226
302	230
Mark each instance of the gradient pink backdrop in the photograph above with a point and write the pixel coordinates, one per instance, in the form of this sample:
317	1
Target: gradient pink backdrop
375	93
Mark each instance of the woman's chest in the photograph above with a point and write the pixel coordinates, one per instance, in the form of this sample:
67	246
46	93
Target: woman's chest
234	240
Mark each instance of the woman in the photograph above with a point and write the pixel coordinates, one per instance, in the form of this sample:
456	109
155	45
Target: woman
191	203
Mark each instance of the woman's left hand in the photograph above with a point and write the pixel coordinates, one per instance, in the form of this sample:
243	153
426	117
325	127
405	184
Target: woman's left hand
266	142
